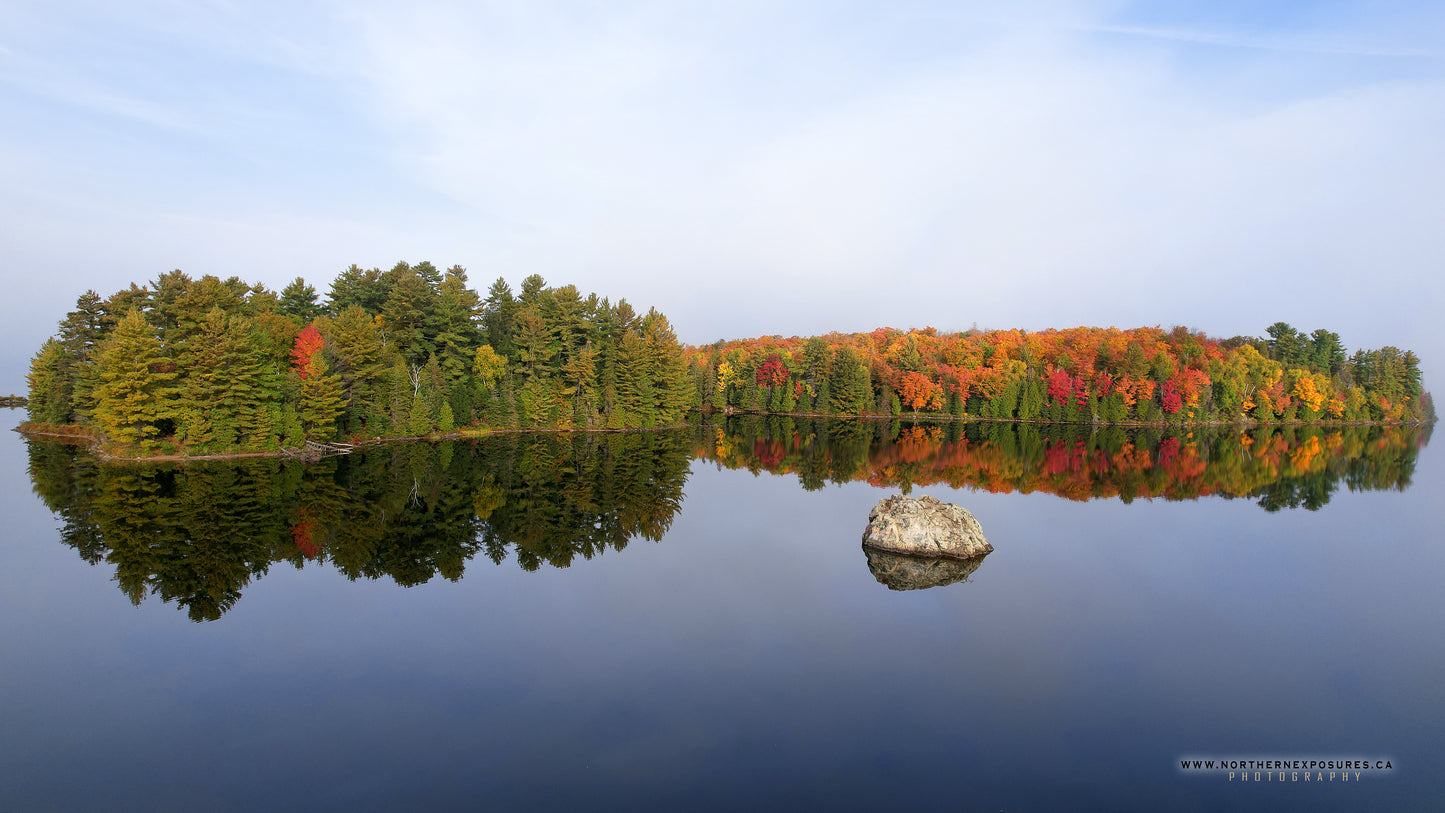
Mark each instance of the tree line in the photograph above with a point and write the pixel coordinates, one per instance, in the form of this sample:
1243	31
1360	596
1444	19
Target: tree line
209	365
1090	375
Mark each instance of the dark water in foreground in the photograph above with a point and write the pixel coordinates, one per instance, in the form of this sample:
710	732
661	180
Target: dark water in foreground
686	620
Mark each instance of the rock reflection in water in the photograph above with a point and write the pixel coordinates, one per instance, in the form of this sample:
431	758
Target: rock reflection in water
898	571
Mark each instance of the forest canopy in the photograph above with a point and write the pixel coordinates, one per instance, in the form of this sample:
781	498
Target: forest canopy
209	365
1098	375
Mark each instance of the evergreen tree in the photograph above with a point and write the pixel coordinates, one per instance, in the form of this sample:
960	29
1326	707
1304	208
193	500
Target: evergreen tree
135	394
205	417
359	357
458	312
851	392
321	400
50	384
419	420
251	386
672	391
497	313
364	289
409	314
298	300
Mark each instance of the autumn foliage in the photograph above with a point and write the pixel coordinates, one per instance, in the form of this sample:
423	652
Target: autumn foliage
1078	375
1281	466
308	344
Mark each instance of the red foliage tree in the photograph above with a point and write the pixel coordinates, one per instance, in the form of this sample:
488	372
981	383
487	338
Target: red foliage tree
308	342
1169	397
1061	386
772	372
919	392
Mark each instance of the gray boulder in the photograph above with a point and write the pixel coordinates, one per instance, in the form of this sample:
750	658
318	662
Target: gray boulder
898	571
924	526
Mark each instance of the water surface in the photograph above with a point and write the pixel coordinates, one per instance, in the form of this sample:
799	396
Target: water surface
686	619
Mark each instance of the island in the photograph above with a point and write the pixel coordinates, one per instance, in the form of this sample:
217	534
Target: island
203	368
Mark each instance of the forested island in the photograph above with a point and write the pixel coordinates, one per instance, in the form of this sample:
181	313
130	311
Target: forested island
1080	375
211	366
204	367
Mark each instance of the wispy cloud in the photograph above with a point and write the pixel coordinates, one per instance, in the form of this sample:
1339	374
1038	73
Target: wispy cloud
1233	39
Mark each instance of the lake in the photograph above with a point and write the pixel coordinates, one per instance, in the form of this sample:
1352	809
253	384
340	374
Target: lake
686	620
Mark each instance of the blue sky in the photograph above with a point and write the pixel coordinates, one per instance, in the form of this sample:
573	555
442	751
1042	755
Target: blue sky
751	167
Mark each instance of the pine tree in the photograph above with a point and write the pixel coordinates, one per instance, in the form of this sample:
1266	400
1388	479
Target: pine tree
49	383
458	309
636	379
360	288
497	313
321	401
135	392
418	421
81	332
251	385
298	300
410	312
359	357
204	418
672	390
851	393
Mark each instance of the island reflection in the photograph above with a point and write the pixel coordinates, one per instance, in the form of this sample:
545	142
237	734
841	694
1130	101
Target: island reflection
197	534
1277	466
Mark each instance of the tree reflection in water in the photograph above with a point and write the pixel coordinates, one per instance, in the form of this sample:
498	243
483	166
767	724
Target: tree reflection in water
197	534
1280	467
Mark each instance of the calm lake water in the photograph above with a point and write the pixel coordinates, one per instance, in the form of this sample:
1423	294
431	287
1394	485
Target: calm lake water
686	620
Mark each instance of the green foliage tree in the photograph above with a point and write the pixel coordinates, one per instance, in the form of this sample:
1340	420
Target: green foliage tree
410	315
50	384
135	394
298	300
321	400
851	392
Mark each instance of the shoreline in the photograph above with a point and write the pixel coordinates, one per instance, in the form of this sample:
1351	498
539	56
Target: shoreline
935	418
88	436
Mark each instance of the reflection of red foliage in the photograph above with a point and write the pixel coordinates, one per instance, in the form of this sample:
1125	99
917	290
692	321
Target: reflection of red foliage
308	341
769	453
304	534
1168	448
1060	458
1174	469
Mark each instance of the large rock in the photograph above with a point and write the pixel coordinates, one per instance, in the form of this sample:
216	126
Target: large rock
899	571
924	526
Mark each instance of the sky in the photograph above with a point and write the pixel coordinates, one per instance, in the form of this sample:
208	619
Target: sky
749	168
